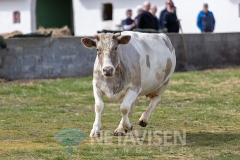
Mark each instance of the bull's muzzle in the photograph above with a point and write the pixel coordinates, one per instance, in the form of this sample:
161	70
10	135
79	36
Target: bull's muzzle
108	71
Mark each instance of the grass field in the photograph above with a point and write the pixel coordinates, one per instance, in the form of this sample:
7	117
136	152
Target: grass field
205	104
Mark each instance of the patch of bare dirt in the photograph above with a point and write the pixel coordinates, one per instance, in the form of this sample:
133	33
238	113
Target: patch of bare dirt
221	69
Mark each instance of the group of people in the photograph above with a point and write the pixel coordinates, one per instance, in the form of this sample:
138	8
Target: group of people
147	19
168	22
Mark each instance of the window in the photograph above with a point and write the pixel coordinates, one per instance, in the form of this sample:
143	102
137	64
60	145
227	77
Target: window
16	17
107	11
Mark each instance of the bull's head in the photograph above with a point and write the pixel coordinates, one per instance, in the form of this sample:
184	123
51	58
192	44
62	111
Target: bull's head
107	50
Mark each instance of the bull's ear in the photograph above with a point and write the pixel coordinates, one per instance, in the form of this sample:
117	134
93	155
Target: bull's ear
89	43
124	39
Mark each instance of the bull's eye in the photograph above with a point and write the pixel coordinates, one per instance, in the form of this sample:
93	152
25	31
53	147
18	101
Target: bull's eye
97	50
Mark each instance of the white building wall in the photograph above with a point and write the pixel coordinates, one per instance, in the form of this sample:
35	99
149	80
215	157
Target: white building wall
88	14
226	13
7	7
33	15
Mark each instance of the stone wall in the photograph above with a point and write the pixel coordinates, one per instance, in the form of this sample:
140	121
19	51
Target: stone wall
58	57
208	50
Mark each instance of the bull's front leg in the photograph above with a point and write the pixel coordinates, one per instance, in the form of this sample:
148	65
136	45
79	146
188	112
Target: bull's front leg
99	105
125	108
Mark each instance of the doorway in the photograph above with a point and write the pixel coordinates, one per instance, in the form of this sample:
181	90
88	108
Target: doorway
54	14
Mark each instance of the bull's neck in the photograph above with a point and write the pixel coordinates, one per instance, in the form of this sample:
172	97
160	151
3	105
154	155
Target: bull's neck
120	71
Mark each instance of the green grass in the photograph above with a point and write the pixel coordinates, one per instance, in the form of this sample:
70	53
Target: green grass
205	104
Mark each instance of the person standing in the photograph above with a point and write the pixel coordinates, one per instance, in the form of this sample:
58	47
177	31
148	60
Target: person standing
145	20
162	13
139	11
153	11
170	19
206	20
128	24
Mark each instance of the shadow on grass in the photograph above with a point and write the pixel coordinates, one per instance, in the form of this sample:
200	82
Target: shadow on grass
212	139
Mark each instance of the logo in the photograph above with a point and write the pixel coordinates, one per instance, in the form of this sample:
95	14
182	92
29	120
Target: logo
69	137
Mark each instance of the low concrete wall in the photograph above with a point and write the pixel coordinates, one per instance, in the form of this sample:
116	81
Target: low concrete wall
36	58
208	50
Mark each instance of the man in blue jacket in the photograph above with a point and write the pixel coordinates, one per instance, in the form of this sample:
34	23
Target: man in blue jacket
205	20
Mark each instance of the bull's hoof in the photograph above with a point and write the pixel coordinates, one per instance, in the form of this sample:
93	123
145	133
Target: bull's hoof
128	130
142	123
121	131
95	134
118	133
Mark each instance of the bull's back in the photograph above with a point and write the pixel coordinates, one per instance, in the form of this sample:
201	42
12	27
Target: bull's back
156	60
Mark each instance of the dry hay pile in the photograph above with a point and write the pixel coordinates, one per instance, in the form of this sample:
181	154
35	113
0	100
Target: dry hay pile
8	35
64	31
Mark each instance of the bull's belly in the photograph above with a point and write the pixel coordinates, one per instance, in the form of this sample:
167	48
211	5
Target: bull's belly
148	85
151	82
156	73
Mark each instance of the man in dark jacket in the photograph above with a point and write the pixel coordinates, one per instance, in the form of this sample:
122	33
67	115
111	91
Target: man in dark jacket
205	20
139	11
162	13
170	19
153	11
146	19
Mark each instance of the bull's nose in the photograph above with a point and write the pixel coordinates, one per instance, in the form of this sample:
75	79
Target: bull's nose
108	71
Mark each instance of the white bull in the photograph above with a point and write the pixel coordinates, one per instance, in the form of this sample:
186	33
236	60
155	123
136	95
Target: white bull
129	65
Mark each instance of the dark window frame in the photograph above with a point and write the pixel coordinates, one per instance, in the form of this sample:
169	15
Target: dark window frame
107	11
16	17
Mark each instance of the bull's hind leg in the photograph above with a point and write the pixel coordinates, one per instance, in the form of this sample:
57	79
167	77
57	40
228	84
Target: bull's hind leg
155	98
